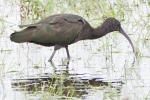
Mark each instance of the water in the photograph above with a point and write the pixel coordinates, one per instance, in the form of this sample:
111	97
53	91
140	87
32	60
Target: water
104	68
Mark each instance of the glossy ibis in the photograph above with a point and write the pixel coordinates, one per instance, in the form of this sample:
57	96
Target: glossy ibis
61	30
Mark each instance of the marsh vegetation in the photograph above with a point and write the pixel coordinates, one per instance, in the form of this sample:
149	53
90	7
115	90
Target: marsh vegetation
104	68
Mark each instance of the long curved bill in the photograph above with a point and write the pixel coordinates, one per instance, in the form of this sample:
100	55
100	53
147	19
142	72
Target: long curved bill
127	37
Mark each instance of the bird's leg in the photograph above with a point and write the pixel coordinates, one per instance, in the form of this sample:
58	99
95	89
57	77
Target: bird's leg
68	55
50	59
56	47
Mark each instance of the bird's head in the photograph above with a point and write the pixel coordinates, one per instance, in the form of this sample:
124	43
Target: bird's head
115	25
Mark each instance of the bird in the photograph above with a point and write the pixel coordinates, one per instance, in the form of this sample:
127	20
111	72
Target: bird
61	30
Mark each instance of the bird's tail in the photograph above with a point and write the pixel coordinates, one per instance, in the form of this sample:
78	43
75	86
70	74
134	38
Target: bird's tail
25	35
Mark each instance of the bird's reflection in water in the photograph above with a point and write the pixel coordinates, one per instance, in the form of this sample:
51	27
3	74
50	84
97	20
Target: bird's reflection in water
64	69
64	83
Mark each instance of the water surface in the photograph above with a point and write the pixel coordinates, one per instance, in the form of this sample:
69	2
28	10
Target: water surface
104	68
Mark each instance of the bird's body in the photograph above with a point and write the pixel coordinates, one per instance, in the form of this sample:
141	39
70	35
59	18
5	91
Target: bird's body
60	30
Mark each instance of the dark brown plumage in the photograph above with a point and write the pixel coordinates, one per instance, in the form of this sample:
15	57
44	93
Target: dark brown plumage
60	30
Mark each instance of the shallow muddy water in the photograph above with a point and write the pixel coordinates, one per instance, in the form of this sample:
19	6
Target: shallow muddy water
101	69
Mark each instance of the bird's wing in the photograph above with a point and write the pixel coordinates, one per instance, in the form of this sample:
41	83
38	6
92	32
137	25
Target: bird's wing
60	30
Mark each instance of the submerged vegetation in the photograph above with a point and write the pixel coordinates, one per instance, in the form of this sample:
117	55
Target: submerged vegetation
103	68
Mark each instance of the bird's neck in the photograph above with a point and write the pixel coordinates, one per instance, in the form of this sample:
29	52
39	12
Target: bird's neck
102	30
